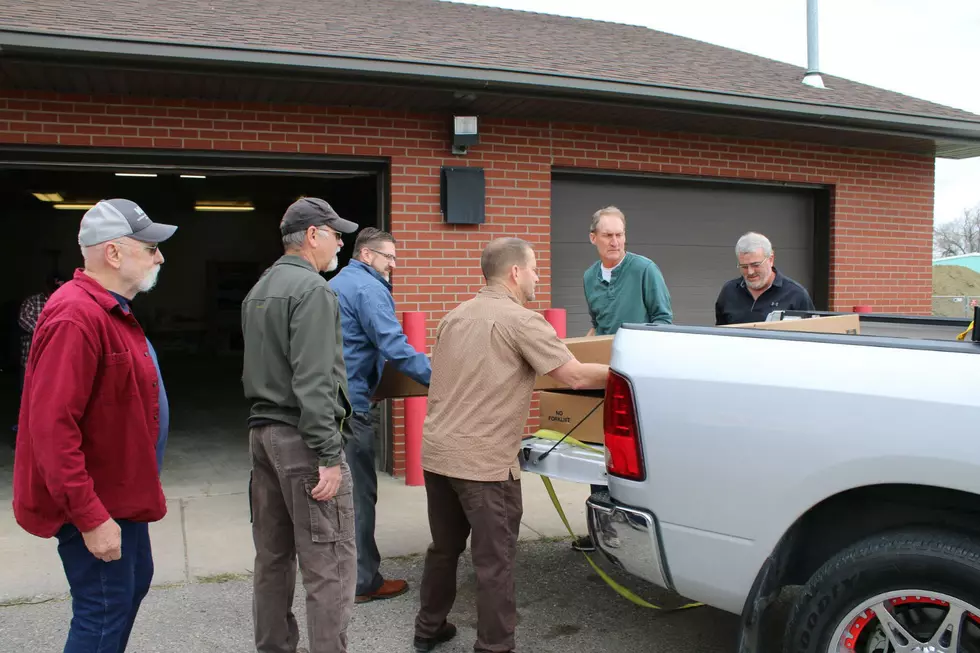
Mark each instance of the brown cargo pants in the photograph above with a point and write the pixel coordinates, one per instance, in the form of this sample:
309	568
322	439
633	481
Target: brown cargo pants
287	522
492	511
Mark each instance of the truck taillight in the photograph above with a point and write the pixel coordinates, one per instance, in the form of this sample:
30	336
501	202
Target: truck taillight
623	455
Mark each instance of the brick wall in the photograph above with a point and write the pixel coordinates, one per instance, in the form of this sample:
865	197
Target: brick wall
881	228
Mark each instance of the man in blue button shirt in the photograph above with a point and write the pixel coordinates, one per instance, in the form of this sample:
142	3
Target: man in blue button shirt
372	334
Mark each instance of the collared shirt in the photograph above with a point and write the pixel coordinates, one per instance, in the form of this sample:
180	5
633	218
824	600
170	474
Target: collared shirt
736	305
89	421
164	430
30	312
487	354
372	333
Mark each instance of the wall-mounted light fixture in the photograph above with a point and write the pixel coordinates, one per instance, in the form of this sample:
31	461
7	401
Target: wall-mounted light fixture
465	133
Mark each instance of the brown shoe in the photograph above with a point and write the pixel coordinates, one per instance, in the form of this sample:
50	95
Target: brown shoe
388	590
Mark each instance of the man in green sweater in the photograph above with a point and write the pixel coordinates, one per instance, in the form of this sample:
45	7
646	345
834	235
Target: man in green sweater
621	287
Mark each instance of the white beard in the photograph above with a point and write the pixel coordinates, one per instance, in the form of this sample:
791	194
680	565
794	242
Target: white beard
150	280
333	264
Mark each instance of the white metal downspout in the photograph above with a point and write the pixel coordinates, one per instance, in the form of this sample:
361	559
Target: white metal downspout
812	77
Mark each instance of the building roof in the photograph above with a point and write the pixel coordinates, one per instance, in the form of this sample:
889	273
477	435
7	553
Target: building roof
971	261
466	42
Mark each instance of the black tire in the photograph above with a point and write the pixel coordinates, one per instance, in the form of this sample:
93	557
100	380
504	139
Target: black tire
946	563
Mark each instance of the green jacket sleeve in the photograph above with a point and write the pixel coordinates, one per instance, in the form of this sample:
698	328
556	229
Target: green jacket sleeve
656	297
312	352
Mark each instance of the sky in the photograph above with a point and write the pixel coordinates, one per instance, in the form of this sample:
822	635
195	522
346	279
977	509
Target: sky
928	49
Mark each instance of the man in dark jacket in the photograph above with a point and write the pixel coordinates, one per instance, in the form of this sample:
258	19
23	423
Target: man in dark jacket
300	486
761	289
93	426
372	334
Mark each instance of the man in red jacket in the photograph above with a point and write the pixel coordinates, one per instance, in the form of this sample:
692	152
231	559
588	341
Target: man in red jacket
93	426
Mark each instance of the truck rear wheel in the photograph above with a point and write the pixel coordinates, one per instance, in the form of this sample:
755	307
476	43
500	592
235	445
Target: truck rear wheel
906	592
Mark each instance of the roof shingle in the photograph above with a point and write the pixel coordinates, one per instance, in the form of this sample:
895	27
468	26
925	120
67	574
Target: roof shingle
452	34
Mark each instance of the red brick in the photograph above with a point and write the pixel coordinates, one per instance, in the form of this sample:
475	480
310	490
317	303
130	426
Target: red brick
74	139
107	141
881	202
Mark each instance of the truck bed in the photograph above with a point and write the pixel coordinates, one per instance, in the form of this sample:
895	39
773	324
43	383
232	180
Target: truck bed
877	330
899	326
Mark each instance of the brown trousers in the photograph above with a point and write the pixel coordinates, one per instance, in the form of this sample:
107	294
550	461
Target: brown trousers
492	510
287	522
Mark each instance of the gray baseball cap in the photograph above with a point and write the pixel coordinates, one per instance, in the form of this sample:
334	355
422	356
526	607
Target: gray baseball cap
309	212
117	218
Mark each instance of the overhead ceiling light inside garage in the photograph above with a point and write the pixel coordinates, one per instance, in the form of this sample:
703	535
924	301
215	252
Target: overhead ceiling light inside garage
49	197
224	206
193	177
136	174
74	206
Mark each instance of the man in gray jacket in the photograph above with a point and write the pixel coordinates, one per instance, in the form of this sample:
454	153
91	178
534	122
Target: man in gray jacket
300	486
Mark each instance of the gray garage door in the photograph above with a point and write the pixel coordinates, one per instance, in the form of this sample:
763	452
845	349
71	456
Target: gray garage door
688	229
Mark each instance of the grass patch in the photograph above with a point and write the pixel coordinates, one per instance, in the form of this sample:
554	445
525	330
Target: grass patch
552	538
222	578
408	557
168	586
10	603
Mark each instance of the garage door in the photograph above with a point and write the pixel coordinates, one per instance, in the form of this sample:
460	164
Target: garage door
688	229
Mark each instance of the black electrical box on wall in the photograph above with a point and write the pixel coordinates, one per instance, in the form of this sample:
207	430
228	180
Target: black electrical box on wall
463	195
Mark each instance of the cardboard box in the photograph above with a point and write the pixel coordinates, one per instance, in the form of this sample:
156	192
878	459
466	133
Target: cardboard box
846	324
598	349
588	349
395	385
580	413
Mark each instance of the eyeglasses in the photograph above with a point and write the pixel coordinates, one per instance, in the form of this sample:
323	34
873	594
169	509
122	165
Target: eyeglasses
329	232
755	265
390	257
150	249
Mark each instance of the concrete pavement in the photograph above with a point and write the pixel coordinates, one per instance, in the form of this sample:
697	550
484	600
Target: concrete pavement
206	532
562	606
201	600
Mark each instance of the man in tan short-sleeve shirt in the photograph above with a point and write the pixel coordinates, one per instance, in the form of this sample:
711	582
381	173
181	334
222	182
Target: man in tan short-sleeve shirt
487	354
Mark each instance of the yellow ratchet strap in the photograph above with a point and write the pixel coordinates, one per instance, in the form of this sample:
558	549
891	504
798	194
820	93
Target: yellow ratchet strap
546	434
963	335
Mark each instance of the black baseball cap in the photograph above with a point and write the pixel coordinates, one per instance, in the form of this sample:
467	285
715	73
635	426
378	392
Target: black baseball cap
309	212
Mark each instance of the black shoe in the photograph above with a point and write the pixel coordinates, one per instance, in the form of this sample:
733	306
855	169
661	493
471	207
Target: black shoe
584	543
426	644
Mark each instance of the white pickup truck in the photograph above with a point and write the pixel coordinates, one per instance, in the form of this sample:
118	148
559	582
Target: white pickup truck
742	461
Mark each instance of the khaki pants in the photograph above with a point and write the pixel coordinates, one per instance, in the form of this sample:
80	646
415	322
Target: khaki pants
287	522
492	510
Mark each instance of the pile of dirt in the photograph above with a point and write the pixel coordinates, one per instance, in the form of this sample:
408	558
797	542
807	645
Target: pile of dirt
954	281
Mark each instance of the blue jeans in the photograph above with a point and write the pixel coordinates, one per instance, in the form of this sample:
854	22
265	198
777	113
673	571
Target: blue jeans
105	596
359	450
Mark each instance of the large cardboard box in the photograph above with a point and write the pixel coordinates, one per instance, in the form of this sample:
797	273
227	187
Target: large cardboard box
577	413
588	349
845	324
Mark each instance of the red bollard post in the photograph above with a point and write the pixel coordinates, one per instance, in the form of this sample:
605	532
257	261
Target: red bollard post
415	407
557	317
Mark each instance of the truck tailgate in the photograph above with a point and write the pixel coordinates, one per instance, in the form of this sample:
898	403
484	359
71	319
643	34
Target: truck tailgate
576	463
